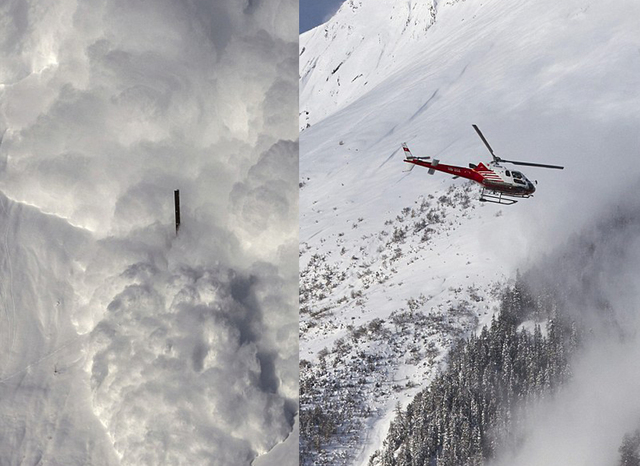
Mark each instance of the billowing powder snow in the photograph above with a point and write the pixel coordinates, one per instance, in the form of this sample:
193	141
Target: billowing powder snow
120	342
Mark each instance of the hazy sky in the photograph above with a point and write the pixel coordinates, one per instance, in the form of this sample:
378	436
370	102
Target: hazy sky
314	12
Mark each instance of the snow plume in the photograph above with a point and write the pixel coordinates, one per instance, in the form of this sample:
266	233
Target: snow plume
594	280
186	347
107	103
180	371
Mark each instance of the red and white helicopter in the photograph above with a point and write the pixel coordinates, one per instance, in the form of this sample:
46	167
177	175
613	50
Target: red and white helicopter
499	185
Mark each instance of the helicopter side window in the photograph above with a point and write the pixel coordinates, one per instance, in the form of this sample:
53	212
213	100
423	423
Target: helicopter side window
507	173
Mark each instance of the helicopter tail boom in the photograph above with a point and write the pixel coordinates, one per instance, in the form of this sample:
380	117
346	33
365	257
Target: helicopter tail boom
450	169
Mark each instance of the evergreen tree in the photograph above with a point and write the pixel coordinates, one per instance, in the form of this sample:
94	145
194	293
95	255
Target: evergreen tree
630	450
467	412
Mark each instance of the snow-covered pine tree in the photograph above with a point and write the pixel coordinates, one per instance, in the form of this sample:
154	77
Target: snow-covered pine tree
468	412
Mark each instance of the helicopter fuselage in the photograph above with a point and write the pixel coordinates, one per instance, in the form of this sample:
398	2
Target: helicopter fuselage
491	176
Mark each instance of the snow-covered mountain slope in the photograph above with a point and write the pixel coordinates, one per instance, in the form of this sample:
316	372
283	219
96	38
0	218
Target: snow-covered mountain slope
357	49
45	405
547	82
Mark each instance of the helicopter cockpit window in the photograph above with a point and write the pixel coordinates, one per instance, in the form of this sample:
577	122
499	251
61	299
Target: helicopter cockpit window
517	175
507	173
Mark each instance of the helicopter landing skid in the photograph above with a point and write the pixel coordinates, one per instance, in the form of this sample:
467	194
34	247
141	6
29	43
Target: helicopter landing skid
497	197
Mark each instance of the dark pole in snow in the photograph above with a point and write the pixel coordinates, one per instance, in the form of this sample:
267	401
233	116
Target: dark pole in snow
176	197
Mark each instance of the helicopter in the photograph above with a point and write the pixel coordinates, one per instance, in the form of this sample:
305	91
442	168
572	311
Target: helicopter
499	184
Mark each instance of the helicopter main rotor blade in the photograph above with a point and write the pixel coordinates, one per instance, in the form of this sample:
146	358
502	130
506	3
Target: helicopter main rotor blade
531	164
485	142
498	159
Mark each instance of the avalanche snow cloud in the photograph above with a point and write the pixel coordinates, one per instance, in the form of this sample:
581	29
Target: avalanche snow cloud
120	343
594	280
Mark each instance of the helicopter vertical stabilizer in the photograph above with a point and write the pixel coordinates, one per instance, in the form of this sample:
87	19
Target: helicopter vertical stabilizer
407	153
